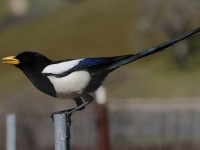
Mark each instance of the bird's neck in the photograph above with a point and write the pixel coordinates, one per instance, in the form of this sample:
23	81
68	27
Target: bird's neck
40	81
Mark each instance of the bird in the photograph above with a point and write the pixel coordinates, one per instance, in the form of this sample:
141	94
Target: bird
77	78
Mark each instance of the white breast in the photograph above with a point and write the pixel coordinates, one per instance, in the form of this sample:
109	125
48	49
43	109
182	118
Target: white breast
71	85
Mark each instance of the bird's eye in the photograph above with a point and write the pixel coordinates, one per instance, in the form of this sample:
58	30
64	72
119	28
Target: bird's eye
25	58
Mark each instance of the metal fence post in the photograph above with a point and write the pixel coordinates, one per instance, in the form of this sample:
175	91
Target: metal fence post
11	132
62	131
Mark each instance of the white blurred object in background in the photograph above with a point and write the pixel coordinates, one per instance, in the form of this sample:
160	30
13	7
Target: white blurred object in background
101	96
18	8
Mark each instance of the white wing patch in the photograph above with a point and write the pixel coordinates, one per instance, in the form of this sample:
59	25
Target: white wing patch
72	85
61	67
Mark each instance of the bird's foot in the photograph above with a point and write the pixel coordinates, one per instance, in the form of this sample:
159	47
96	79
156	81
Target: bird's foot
88	99
68	111
68	119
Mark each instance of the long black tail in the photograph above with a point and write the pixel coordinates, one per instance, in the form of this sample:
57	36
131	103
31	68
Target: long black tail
129	58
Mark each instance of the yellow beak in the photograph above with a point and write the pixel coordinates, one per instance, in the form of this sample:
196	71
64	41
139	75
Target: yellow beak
11	60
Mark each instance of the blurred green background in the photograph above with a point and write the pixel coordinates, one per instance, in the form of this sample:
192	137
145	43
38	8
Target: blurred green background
91	28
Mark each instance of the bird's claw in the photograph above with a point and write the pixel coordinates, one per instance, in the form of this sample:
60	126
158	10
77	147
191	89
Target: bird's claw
51	116
67	112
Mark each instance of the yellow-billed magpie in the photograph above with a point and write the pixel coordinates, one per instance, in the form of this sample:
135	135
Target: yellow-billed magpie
76	78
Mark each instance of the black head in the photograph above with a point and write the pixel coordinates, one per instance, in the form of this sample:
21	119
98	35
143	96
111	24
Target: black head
32	64
28	61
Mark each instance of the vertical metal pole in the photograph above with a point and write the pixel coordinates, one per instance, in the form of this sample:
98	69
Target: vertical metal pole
11	132
102	119
62	131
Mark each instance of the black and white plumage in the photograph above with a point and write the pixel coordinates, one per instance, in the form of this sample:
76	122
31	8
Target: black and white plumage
76	78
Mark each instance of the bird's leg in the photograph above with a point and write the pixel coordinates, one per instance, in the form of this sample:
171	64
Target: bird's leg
88	99
80	105
79	102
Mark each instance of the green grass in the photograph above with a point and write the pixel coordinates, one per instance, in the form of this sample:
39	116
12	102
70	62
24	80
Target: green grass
100	28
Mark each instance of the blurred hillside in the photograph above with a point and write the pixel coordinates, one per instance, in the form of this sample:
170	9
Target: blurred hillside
90	28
